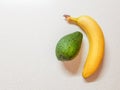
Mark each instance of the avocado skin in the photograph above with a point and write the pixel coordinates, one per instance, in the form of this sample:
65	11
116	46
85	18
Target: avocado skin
68	46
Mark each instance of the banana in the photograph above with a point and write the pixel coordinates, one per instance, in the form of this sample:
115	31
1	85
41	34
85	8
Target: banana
96	43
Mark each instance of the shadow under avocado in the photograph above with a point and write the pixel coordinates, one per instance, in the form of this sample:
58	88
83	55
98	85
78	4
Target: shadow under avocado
73	65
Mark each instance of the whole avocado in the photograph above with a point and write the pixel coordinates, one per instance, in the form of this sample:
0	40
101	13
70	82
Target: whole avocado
68	46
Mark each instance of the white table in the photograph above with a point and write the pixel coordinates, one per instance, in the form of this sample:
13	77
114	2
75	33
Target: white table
29	31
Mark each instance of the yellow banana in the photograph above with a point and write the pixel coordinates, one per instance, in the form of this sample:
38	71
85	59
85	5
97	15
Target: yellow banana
96	42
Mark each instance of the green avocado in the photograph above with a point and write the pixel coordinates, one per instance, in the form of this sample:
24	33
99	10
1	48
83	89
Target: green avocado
68	46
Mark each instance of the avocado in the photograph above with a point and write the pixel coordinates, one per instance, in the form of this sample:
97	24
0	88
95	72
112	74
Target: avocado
68	46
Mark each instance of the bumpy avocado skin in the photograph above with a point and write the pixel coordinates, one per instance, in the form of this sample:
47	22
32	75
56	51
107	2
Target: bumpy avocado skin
68	46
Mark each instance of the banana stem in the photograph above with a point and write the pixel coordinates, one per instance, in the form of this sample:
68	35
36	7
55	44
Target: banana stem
70	19
66	16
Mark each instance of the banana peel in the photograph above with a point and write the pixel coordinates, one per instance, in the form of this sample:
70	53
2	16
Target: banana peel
96	42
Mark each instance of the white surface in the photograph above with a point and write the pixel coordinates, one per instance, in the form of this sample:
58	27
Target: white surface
29	31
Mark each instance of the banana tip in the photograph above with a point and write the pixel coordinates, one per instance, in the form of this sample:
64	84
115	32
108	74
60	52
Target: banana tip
85	75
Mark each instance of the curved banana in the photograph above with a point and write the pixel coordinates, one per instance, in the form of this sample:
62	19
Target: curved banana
96	42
